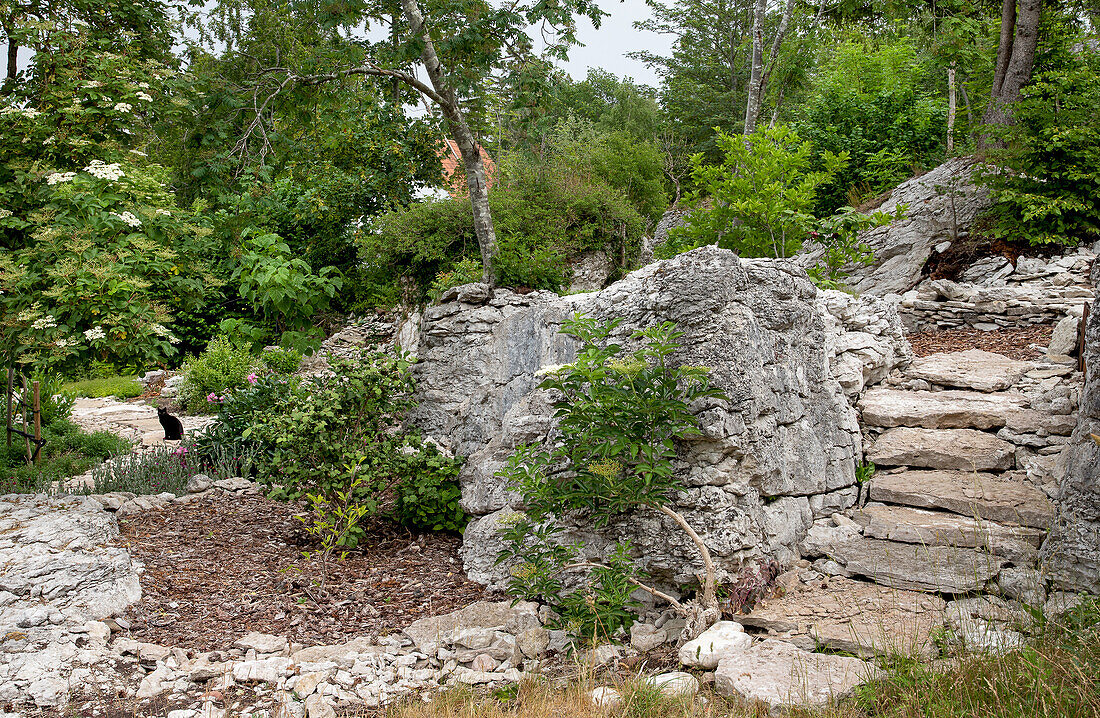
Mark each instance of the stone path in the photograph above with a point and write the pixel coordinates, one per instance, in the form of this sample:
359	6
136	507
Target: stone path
133	420
944	545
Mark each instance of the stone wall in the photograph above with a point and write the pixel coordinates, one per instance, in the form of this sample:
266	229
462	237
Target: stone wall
994	294
782	451
1072	550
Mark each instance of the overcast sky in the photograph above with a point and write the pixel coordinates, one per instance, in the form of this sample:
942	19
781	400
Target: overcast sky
606	47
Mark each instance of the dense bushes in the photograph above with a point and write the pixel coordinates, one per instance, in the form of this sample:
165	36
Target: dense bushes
338	433
1048	186
875	104
585	192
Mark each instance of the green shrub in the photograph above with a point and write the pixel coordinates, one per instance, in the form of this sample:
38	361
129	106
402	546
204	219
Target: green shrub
69	451
875	102
220	367
121	387
618	420
465	271
302	437
542	218
279	360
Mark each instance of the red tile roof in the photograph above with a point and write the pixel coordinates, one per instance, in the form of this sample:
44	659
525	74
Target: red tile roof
454	174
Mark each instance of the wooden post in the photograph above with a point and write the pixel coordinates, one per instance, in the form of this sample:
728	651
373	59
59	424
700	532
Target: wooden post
11	391
37	422
26	428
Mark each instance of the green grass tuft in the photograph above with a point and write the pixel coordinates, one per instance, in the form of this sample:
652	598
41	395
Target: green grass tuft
122	387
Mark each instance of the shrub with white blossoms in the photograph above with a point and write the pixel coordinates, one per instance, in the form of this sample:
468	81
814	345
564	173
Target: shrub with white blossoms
123	107
59	177
128	218
94	334
100	169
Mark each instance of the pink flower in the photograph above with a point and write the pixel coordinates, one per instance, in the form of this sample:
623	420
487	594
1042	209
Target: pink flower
252	379
211	397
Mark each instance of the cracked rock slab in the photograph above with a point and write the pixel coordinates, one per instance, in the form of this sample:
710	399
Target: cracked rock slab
953	449
971	369
951	409
781	675
852	616
968	493
936	569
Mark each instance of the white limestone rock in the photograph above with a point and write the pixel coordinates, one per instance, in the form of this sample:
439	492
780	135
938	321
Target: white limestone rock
713	644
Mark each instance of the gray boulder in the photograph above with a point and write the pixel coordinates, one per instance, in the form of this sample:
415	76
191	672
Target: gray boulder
786	431
941	205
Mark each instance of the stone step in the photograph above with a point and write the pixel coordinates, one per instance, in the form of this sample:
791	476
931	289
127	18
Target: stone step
852	616
967	493
1019	544
971	369
915	567
951	409
958	449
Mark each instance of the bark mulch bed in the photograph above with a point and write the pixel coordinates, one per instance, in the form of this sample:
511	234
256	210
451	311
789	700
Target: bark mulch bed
1014	343
221	566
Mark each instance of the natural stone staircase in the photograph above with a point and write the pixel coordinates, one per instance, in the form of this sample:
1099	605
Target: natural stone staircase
948	529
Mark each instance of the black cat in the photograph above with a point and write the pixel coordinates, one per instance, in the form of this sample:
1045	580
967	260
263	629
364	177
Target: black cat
173	429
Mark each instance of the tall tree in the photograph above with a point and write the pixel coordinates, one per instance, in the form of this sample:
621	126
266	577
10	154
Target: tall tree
1015	60
458	43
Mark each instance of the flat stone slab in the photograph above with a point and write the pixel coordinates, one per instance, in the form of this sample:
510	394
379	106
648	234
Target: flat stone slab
939	528
968	493
936	569
957	449
951	409
782	675
429	633
971	369
852	616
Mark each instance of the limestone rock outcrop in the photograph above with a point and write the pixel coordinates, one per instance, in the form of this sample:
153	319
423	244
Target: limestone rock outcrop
1072	550
941	204
785	442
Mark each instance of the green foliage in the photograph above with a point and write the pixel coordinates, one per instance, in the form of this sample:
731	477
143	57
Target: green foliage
618	418
157	470
1048	184
302	437
281	287
428	493
839	237
68	451
761	197
333	520
121	387
222	366
542	217
280	360
874	102
466	271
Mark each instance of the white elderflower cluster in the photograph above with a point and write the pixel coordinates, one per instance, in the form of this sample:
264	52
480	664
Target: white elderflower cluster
28	113
123	107
96	333
164	212
102	170
64	343
128	218
162	331
49	141
552	369
46	322
139	153
143	85
145	96
4	213
59	177
92	84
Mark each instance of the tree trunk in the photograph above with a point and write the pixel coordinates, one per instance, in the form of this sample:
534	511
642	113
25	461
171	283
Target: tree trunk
950	109
1015	60
777	43
756	76
463	137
